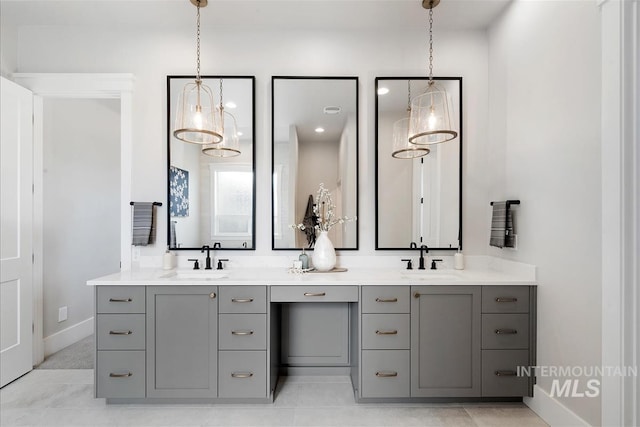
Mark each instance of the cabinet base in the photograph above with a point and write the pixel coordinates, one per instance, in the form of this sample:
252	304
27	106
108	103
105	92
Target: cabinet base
160	400
436	399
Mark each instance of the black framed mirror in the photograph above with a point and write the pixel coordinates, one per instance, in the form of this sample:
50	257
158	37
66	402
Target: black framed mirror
418	200
211	197
314	133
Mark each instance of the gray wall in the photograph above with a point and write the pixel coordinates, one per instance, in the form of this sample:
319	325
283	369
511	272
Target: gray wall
81	204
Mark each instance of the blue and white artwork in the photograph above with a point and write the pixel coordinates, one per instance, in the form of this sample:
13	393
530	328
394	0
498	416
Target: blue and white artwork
178	192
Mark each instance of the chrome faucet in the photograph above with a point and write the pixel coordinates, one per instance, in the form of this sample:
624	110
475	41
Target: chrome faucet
208	259
423	249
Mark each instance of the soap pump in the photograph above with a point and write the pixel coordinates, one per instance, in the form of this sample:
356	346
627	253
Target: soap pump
168	260
458	260
304	259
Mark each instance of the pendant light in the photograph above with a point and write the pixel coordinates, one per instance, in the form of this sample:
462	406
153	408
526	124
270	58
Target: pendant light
198	120
230	144
431	119
402	148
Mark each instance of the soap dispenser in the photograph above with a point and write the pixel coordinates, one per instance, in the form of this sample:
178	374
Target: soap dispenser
458	260
304	259
168	260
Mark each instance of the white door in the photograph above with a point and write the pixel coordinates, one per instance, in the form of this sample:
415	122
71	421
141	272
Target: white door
16	210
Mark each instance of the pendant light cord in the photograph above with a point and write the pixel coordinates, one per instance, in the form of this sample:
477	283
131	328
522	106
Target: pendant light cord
409	95
431	42
198	42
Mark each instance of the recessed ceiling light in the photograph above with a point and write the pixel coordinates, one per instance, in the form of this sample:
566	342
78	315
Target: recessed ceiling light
239	133
319	130
230	105
332	109
383	91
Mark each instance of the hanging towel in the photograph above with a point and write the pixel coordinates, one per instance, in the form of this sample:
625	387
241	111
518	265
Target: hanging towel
310	221
143	224
502	226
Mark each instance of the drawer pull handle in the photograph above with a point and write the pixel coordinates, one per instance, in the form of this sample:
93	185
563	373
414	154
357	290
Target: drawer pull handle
212	295
241	332
241	299
394	332
241	374
506	299
386	299
506	373
120	332
386	374
506	331
127	375
120	299
315	294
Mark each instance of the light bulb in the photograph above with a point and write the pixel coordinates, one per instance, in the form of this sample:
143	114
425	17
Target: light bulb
433	120
197	120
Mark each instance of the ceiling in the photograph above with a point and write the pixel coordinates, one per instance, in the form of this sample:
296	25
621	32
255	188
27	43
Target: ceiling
254	14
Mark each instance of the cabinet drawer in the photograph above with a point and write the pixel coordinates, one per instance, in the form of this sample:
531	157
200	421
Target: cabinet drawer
385	331
243	332
120	374
242	299
385	373
385	299
120	299
505	299
242	374
317	293
505	331
499	373
121	332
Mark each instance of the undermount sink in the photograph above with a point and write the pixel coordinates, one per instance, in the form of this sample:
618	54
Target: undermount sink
429	275
196	274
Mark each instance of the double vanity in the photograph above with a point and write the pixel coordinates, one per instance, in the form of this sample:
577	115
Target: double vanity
227	336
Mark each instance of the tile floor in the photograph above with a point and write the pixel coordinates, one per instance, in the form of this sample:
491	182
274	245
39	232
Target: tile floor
65	398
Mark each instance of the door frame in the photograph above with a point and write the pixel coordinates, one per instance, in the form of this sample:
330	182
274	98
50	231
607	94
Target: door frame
76	86
620	139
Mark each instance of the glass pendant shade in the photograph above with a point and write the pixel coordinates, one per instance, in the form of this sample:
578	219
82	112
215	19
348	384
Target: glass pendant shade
402	148
230	145
431	119
198	120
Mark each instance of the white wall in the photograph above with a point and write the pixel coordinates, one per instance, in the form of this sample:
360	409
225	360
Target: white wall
8	49
544	142
81	204
145	53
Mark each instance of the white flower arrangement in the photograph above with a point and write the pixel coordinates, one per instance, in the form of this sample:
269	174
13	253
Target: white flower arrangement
324	213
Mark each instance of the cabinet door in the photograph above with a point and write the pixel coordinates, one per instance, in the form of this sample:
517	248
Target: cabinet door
182	349
445	341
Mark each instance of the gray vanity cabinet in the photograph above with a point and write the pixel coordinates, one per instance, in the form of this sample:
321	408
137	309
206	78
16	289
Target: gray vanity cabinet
445	341
182	341
242	370
385	342
120	342
508	340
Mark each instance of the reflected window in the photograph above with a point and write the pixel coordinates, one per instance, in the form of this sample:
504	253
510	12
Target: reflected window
231	201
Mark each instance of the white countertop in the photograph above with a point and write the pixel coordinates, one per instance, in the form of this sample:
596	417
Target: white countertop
282	276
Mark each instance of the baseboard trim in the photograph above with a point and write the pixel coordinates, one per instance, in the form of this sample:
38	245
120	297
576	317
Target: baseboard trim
551	410
56	342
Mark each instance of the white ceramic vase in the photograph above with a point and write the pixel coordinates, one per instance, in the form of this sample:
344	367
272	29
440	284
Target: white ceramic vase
324	254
